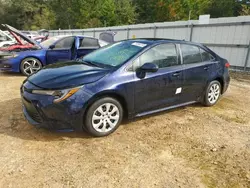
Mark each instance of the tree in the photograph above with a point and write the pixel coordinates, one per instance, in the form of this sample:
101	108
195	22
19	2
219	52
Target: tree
221	8
101	13
146	10
125	12
44	19
26	14
245	10
66	14
168	10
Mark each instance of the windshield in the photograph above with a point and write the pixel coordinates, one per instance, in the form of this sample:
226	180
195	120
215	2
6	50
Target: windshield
50	41
115	54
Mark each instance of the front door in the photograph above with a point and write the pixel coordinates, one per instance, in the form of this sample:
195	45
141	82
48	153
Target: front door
63	50
162	88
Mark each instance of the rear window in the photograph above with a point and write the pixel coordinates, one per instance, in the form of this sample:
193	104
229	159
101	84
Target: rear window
191	54
206	56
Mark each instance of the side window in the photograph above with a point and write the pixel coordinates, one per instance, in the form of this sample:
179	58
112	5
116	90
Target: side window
190	54
89	43
163	55
65	43
206	56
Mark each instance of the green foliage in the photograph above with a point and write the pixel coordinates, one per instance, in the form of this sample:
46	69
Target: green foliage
168	10
245	10
66	14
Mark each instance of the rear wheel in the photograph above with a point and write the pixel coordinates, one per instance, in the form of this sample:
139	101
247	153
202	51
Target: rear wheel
213	93
103	117
30	65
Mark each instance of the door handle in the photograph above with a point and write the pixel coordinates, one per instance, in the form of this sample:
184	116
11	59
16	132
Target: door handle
206	68
177	74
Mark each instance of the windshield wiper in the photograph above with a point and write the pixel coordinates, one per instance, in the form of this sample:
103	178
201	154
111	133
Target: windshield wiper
90	63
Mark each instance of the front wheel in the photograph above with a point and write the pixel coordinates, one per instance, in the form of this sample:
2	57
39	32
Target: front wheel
103	117
213	93
30	65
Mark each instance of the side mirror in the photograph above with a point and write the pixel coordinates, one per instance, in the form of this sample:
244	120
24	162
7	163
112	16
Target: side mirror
149	67
52	46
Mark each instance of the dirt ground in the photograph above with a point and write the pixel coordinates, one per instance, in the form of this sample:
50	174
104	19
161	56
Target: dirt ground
193	146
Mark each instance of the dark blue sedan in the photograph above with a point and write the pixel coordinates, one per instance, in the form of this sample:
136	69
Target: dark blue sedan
58	48
130	78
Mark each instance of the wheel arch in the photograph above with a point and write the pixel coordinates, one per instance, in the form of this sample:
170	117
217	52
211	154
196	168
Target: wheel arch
111	94
221	80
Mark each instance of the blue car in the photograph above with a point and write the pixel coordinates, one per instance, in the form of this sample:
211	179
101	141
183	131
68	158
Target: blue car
129	78
58	48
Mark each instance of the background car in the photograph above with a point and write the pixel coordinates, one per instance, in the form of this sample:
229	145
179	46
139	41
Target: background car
130	78
37	35
6	40
20	43
32	35
55	49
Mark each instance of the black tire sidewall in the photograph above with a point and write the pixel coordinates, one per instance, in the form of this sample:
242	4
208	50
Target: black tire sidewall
206	101
28	58
88	118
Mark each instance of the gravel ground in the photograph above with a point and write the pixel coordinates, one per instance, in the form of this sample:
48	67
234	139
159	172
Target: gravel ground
193	146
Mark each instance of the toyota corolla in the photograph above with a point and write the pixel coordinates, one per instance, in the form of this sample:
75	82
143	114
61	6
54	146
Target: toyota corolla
129	79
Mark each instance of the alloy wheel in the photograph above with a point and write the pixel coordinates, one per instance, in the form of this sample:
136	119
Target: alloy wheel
214	93
30	66
105	117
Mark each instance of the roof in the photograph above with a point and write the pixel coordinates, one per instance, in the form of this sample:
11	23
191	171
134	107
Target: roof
160	40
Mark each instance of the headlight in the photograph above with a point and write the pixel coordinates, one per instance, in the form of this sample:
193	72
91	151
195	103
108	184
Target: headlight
60	95
10	56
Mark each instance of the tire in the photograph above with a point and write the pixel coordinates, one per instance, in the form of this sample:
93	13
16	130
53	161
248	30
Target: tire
213	93
98	122
30	65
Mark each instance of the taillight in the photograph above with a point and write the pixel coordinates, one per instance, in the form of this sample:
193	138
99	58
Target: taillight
227	65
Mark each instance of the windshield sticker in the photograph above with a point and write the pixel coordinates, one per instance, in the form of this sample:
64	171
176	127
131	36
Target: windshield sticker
139	44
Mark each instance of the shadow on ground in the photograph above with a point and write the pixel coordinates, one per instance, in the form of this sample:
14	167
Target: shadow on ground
13	123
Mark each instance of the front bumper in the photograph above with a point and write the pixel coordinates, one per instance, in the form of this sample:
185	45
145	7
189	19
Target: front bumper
9	65
49	124
41	112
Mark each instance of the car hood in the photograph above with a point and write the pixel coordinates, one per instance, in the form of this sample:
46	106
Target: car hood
66	75
17	33
2	34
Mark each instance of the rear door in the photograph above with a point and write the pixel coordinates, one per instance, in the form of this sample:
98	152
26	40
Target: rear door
162	88
197	66
87	45
63	51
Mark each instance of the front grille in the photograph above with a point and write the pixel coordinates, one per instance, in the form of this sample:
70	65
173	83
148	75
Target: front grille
32	111
35	116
